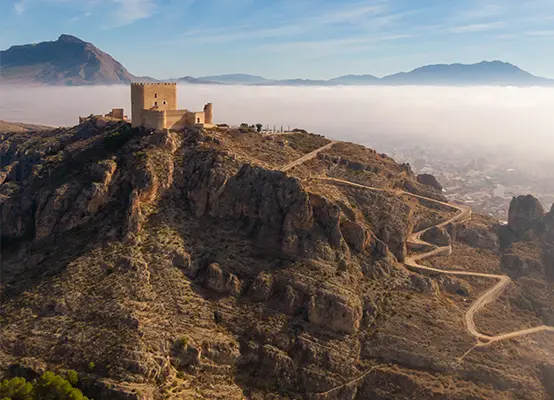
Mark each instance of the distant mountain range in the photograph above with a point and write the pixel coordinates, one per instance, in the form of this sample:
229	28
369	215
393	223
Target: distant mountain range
72	61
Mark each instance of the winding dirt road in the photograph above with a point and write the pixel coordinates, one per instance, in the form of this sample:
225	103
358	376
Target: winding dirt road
411	262
462	212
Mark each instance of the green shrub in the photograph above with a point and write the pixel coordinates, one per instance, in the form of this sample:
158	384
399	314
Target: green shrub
116	139
182	341
91	365
72	377
140	155
16	389
48	387
53	387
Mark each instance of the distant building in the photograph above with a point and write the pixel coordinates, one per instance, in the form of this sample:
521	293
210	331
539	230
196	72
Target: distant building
154	106
116	113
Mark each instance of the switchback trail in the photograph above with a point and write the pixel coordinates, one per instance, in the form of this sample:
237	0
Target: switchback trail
411	262
462	212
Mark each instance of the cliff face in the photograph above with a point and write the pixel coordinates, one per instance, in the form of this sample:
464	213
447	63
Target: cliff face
66	61
186	265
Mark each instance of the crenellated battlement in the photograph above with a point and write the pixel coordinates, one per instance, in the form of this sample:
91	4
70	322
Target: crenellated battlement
153	83
154	111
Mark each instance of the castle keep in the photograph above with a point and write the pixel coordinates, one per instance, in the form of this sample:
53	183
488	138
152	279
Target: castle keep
154	106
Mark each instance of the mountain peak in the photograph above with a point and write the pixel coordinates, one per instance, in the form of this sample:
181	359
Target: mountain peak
66	61
485	72
69	39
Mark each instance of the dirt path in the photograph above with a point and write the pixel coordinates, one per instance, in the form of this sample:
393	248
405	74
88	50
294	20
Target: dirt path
307	157
462	212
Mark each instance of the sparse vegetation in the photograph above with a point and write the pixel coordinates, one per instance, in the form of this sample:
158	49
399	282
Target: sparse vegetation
116	139
182	341
140	155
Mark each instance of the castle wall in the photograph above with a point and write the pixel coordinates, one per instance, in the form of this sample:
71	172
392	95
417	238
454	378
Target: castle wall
137	104
117	113
154	119
176	119
197	117
162	96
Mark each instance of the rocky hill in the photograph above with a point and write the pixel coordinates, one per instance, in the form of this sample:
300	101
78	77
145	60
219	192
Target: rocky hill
225	264
66	61
6	126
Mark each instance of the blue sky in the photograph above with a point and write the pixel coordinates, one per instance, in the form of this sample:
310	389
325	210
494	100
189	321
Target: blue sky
292	38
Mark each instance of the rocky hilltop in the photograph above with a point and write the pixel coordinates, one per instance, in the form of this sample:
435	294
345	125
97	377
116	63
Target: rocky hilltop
66	61
227	264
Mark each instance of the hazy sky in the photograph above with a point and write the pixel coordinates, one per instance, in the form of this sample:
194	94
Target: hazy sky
292	38
493	116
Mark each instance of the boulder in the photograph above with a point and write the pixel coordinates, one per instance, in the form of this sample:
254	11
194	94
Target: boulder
429	180
261	288
181	260
518	266
454	286
547	226
547	377
275	366
437	236
355	235
525	213
477	236
218	281
421	283
335	311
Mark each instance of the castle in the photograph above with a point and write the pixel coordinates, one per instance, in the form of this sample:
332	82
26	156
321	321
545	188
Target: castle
154	106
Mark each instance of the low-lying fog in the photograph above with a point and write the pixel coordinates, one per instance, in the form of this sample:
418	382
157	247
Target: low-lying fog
484	144
523	118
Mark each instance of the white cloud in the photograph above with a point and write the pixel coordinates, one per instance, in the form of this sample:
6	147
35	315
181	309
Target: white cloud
477	27
79	17
21	6
129	11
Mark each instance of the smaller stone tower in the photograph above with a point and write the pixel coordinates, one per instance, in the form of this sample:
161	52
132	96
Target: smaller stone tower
208	114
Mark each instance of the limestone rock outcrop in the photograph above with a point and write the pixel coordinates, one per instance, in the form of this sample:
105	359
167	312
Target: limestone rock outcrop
355	235
429	180
267	204
437	236
525	213
518	266
477	236
339	312
218	281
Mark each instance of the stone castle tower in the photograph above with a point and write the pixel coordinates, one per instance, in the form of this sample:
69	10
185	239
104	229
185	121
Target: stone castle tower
208	114
154	106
